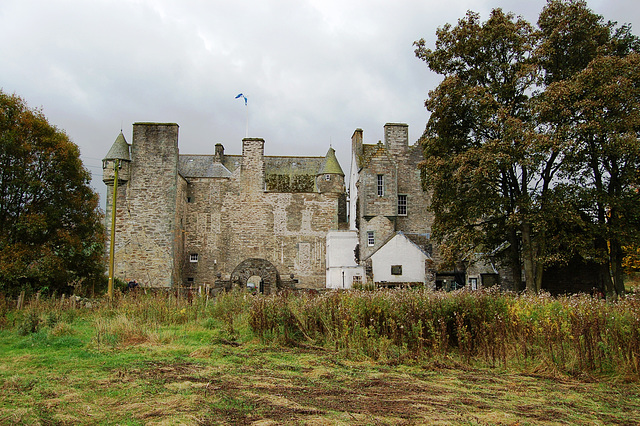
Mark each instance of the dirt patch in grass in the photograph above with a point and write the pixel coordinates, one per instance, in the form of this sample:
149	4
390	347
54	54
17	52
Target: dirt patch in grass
211	384
314	393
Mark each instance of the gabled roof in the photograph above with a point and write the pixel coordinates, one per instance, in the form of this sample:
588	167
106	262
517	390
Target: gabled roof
413	238
371	151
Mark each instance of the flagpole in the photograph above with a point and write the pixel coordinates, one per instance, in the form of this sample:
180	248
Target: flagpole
246	105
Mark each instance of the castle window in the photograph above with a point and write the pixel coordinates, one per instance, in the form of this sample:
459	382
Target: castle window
380	185
327	177
193	258
189	200
396	269
402	205
190	279
357	279
371	239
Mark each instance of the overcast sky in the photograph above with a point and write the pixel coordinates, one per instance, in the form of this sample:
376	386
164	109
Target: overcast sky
313	70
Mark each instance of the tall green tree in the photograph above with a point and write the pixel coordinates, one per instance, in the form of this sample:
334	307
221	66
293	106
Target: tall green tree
523	147
589	107
478	140
598	114
51	233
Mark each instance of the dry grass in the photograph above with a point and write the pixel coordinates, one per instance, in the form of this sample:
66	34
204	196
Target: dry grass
121	364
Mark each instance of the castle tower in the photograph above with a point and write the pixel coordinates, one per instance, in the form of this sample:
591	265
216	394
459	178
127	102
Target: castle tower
148	233
119	151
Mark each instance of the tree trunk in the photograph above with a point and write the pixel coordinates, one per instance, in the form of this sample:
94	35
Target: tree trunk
616	257
541	252
605	275
527	259
514	260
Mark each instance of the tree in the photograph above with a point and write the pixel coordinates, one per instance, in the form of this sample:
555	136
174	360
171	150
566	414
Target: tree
598	112
51	232
477	143
589	106
530	145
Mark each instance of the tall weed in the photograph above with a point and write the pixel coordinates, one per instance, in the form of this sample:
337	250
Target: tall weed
572	334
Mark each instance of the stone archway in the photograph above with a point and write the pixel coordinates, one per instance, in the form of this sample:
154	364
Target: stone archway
257	267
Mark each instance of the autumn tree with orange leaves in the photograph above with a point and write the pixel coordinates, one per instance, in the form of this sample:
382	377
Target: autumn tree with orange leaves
51	233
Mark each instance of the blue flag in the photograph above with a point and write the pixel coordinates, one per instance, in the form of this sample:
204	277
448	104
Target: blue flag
242	96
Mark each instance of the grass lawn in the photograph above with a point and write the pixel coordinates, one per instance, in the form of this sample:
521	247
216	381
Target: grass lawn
197	373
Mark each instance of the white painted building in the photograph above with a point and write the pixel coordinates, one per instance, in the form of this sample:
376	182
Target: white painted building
342	268
399	260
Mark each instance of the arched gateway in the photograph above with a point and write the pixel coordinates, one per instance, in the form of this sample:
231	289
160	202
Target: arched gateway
270	278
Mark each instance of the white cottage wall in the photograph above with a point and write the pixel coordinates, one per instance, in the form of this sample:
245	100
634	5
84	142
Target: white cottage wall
399	251
341	262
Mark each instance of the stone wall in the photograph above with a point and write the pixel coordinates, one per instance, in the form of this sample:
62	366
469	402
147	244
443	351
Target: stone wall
146	232
399	163
226	225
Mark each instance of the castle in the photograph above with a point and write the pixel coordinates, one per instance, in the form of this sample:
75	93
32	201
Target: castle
268	221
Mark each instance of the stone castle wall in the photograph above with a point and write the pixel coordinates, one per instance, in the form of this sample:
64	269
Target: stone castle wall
164	219
226	225
146	232
399	164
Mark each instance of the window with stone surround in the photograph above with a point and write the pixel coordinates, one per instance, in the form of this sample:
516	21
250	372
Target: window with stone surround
193	258
371	239
402	205
357	279
327	177
380	185
396	269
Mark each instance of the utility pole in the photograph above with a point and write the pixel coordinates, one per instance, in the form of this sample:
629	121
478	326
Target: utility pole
116	166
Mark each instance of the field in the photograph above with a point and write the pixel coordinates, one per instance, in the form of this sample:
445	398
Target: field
337	358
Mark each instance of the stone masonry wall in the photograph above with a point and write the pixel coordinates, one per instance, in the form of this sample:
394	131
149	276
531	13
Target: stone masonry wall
399	163
227	224
163	218
146	213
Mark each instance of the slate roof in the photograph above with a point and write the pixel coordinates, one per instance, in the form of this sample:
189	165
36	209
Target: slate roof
201	166
418	240
119	150
292	165
330	164
206	166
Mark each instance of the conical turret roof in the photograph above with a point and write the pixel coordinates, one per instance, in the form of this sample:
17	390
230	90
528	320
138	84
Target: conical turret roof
119	150
330	164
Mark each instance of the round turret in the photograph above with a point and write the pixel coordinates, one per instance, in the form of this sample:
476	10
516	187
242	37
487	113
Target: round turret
119	152
330	177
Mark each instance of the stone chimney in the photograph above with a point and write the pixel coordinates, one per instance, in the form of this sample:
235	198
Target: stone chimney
356	143
253	164
396	137
219	153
